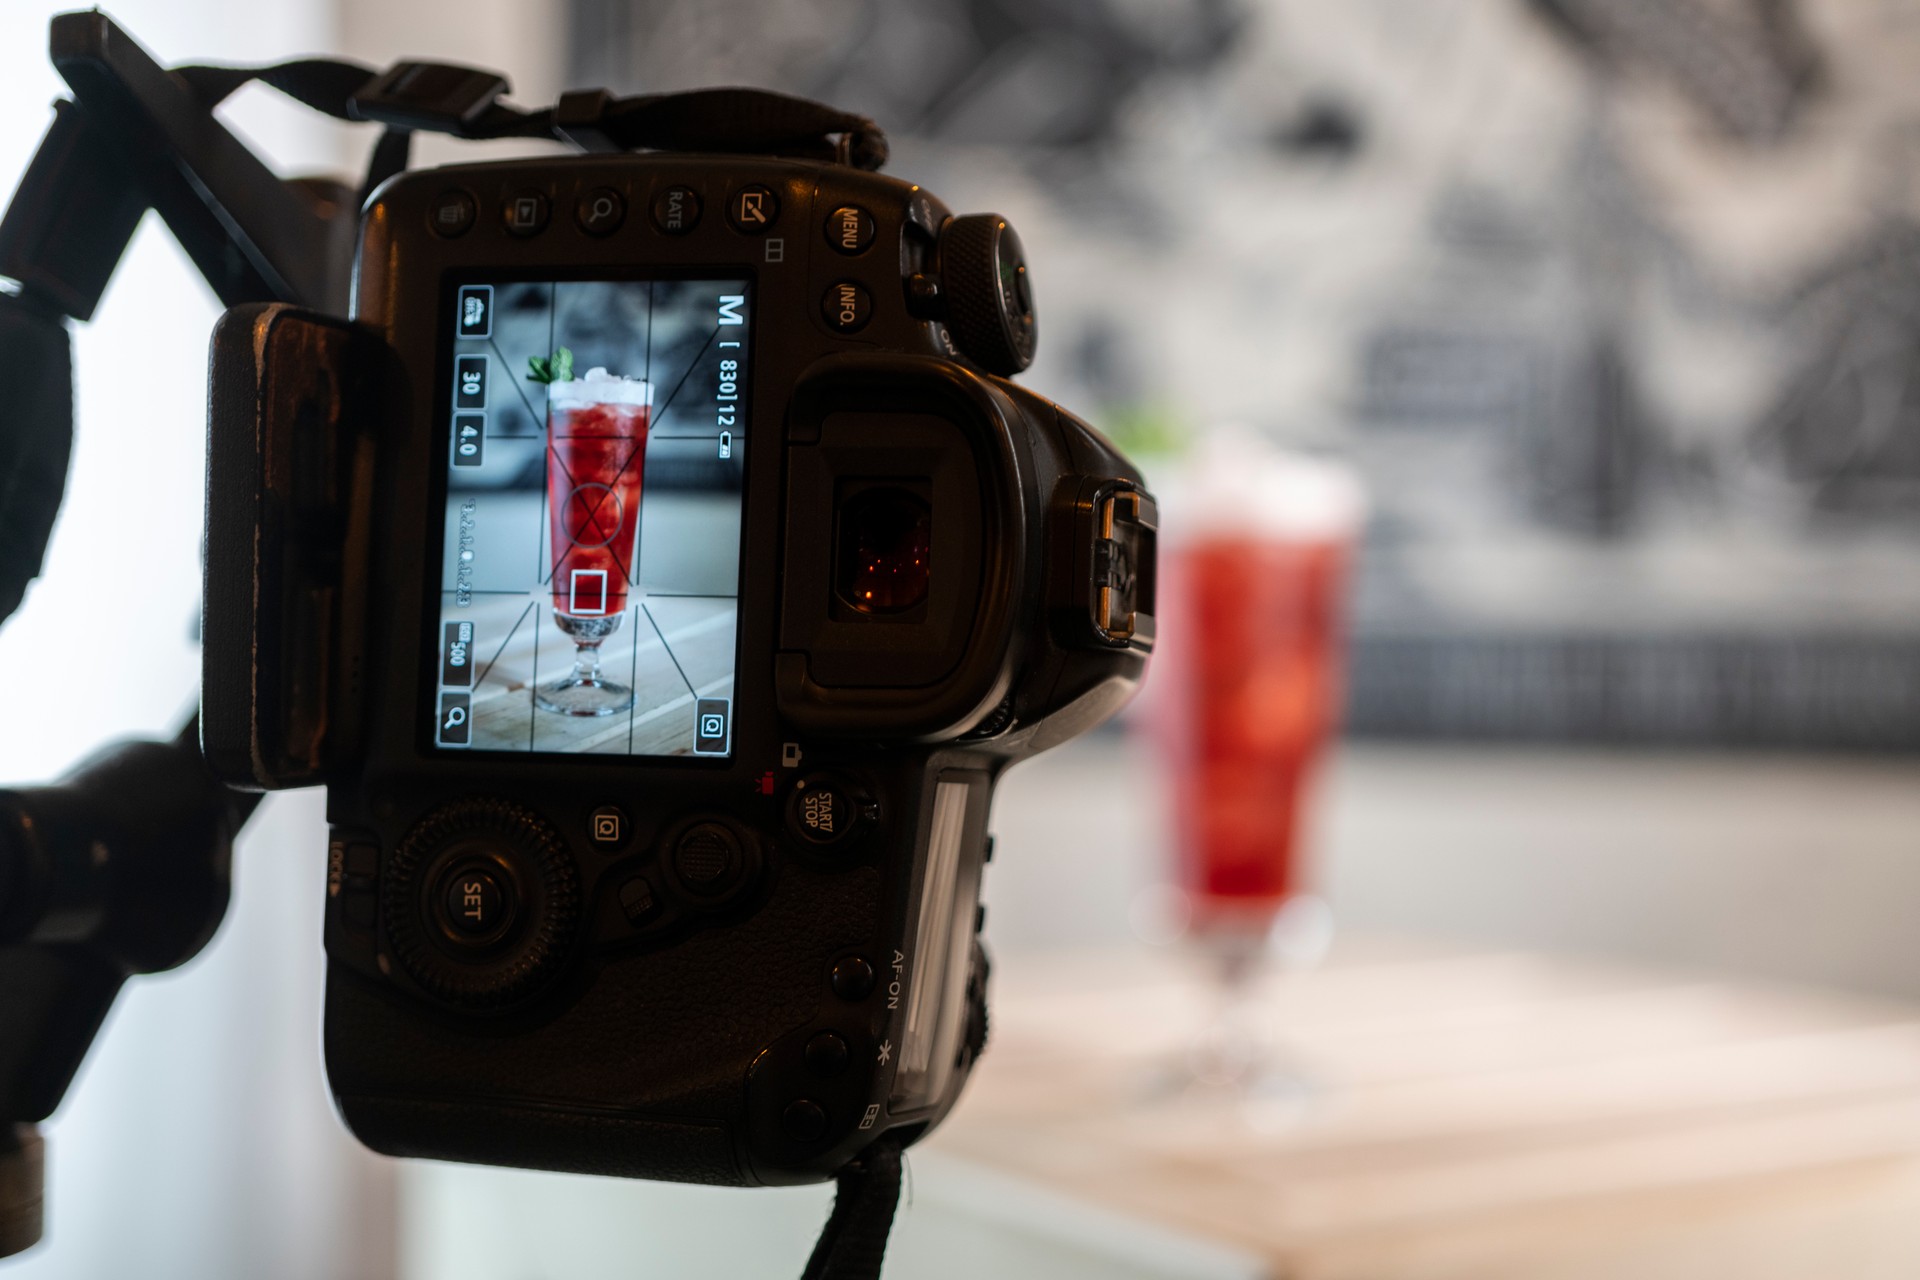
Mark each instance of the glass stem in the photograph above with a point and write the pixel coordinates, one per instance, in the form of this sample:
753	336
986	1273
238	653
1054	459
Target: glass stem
586	663
1232	1048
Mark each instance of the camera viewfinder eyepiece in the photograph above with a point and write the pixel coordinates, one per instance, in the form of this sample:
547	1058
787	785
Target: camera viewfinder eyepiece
883	561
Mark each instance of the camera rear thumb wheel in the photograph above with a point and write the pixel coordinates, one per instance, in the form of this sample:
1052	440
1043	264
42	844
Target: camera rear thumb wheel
983	273
481	902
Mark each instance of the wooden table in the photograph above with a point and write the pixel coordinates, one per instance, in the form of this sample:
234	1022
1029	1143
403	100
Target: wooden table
1473	1114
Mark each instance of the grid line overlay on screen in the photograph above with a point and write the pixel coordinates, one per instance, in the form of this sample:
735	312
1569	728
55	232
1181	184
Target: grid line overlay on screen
619	462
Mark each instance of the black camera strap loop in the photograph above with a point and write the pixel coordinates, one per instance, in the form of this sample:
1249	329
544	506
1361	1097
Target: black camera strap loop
853	1244
462	101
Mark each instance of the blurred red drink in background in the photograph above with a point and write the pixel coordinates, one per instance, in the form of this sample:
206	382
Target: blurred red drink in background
1250	693
1247	669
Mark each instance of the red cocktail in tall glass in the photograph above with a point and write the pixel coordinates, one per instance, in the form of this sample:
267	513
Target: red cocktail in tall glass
596	463
1245	692
1251	689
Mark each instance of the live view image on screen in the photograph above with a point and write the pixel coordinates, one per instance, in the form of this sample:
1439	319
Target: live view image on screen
596	437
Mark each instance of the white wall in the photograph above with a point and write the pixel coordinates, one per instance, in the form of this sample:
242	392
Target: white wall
198	1140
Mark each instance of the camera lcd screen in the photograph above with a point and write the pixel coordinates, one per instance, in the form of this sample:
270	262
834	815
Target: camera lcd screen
595	439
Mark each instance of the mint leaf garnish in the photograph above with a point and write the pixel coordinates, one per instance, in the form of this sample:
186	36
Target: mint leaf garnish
557	369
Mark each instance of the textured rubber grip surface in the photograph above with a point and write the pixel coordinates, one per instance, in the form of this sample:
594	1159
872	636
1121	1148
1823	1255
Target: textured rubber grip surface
977	309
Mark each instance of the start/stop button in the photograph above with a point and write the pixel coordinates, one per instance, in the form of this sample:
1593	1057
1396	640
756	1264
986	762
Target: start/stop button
826	812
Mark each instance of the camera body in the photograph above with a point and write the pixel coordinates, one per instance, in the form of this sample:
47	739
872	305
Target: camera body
659	706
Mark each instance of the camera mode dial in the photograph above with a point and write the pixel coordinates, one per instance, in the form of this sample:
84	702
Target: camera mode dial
989	298
481	901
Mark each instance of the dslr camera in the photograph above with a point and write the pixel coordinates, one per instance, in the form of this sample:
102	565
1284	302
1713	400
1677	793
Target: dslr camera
658	570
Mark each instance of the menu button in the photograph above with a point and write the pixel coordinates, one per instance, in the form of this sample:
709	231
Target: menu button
850	229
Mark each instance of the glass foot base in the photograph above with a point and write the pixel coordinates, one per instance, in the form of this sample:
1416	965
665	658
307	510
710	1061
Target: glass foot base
580	696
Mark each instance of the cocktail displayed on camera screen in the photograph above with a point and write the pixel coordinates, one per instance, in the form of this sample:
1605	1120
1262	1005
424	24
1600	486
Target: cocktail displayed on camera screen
596	467
596	450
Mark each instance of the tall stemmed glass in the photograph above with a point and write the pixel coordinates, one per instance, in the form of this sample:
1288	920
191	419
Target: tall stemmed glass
596	463
1256	553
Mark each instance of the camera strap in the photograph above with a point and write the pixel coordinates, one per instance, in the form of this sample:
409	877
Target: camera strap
442	98
853	1244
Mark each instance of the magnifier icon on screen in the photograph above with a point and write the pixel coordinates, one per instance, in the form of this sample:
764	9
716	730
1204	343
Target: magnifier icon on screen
456	716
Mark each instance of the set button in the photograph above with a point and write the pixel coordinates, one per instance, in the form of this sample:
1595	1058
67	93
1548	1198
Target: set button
526	212
476	905
752	209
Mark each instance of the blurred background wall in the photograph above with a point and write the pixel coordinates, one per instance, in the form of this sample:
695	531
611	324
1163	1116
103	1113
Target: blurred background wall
1611	303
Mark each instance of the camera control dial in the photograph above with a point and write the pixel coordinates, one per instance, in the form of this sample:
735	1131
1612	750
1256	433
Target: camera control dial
481	902
989	297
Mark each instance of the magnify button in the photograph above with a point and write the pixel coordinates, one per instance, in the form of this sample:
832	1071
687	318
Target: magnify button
601	211
456	719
